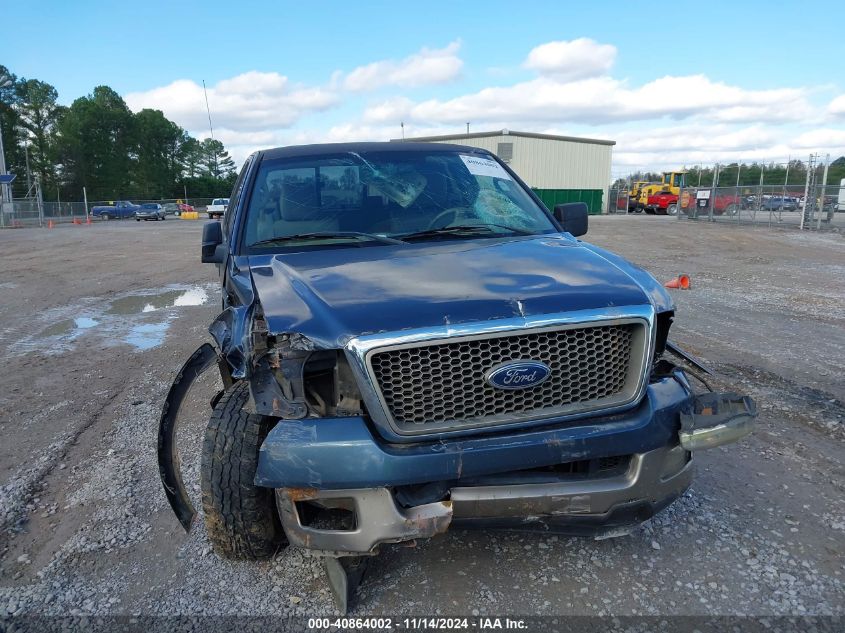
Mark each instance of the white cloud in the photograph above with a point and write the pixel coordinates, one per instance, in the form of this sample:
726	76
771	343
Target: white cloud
836	108
602	100
661	121
429	66
252	101
708	138
817	140
573	59
259	101
394	109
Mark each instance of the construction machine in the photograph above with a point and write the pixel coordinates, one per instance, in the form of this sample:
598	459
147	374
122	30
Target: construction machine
673	182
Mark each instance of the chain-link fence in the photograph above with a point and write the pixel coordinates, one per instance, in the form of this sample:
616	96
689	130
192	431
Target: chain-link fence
29	212
807	194
821	207
619	200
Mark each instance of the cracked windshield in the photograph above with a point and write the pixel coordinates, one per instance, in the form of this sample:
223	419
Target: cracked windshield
389	194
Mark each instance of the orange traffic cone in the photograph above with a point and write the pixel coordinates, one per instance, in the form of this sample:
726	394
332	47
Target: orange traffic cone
49	224
88	220
681	282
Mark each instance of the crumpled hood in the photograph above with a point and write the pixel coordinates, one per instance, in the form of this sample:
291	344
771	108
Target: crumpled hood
333	295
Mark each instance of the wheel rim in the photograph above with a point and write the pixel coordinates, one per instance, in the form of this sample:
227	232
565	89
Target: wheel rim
672	209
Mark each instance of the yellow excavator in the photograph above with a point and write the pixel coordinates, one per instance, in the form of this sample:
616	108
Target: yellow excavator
673	182
634	194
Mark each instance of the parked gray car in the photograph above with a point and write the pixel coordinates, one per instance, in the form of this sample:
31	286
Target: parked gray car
150	211
780	203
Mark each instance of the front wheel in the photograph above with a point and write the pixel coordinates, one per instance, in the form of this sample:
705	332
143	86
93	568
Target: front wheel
137	219
106	216
672	209
241	518
731	209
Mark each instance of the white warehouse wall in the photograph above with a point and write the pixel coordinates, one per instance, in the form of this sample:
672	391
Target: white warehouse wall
546	162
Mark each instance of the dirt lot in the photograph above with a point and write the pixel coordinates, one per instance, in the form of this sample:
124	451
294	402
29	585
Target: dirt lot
95	321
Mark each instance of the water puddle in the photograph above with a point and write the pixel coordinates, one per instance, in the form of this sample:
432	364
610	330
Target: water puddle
70	328
193	297
140	319
148	335
140	303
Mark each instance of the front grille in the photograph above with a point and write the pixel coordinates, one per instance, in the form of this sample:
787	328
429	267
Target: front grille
441	385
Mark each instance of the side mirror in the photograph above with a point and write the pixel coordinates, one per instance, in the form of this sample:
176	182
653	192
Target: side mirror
213	251
573	217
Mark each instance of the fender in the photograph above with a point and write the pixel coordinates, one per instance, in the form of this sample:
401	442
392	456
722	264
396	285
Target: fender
168	459
676	351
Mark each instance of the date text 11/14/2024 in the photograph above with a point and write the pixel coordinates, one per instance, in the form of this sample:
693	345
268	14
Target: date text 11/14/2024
418	623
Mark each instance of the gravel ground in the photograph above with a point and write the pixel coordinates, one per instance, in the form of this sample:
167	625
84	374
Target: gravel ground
96	321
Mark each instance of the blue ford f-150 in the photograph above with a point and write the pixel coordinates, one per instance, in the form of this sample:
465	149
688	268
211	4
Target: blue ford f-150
410	340
120	209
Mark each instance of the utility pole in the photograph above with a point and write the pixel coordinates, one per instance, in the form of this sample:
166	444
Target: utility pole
712	200
823	191
40	200
28	176
210	127
809	192
5	190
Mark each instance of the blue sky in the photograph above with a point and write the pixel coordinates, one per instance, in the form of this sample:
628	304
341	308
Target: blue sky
697	82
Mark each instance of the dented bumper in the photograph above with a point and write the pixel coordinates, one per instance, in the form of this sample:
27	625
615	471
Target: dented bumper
480	481
378	519
602	506
344	453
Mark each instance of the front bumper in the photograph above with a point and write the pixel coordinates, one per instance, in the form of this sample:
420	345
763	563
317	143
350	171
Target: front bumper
599	507
344	453
341	463
492	481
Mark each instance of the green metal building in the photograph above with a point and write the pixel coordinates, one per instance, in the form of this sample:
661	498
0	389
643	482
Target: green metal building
559	168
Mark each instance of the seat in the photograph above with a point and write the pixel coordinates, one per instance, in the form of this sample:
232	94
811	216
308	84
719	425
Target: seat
300	211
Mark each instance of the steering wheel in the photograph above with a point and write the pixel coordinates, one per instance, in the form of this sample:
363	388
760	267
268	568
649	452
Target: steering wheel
436	221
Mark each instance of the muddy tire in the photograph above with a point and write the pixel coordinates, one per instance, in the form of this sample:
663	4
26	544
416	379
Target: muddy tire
241	518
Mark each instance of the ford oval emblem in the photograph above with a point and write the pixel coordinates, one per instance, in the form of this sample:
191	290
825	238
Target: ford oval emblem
518	374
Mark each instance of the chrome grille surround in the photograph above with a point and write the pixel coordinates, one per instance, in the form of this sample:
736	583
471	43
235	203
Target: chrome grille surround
622	393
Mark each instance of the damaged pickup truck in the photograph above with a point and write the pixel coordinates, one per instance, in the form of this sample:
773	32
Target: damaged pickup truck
411	341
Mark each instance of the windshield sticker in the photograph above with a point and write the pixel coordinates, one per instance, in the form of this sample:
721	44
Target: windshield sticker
480	166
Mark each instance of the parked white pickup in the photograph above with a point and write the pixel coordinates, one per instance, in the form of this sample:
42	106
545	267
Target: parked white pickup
217	207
